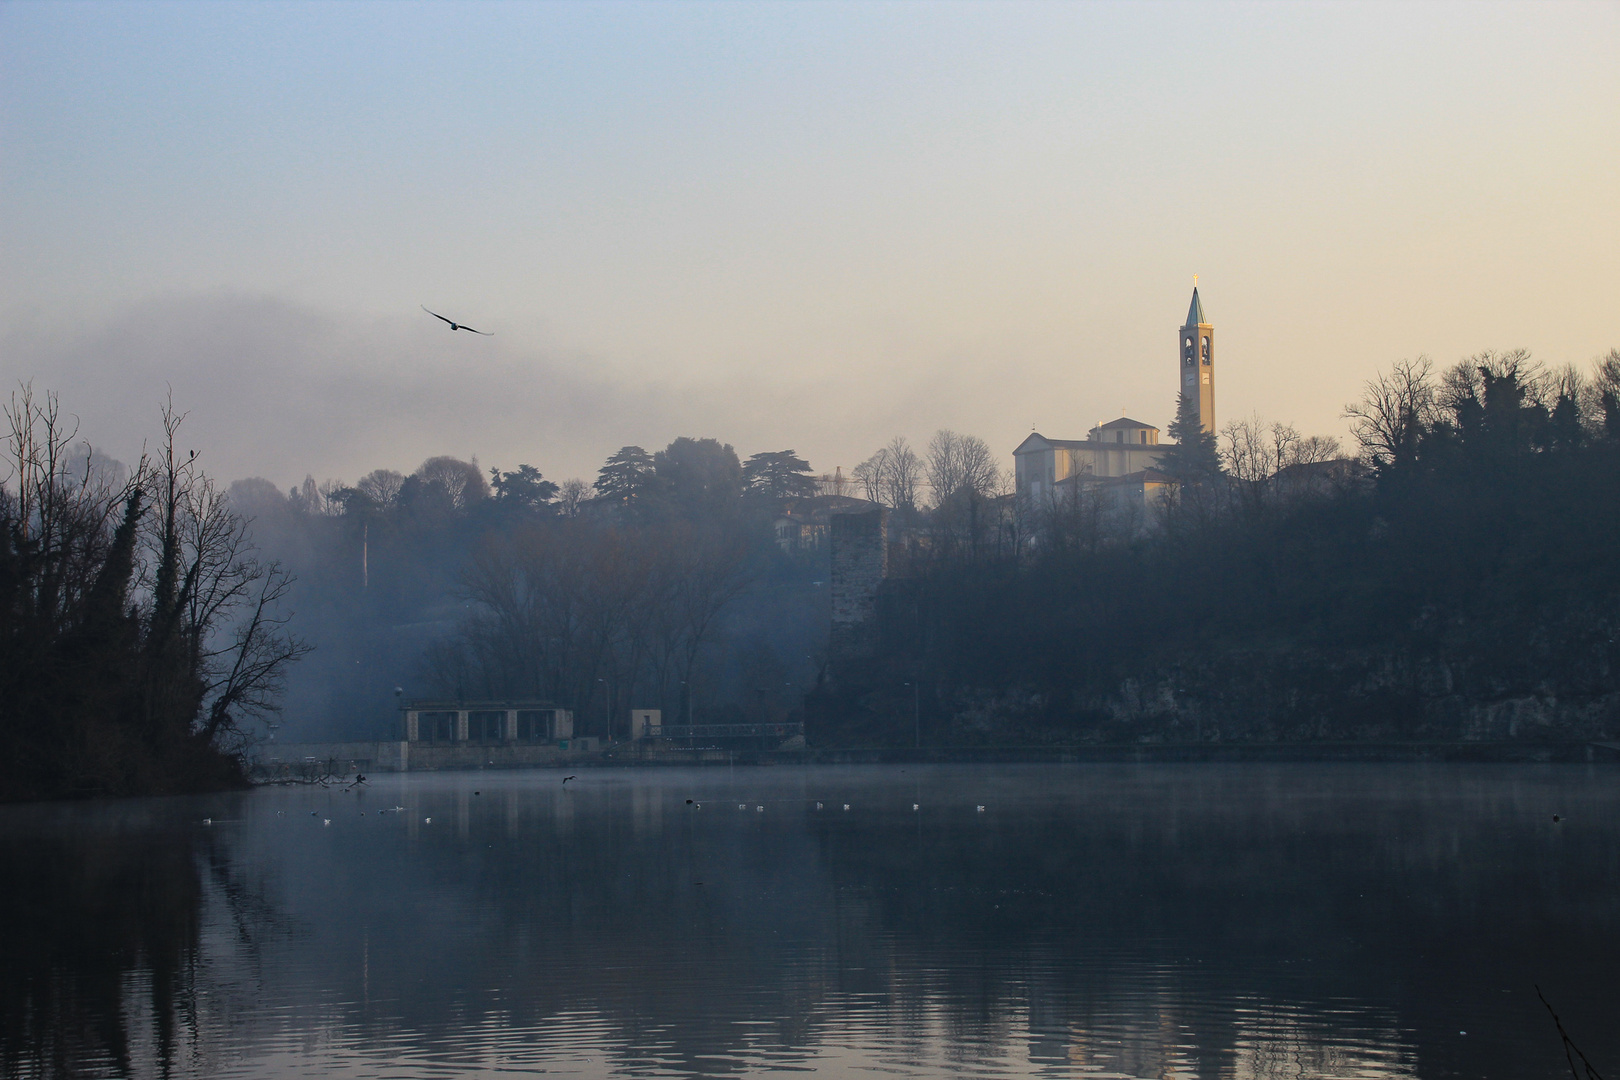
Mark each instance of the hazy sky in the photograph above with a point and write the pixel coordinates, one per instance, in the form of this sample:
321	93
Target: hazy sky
810	226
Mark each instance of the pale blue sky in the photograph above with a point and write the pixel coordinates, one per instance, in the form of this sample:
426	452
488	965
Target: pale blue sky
783	225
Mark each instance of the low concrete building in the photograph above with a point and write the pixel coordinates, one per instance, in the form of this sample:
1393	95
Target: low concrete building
485	723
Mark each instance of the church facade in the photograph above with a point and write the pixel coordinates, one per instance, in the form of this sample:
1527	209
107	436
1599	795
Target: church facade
1122	453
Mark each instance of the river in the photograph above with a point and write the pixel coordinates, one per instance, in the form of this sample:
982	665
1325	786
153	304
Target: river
1231	920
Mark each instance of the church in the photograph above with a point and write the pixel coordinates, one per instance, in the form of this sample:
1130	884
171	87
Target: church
1121	454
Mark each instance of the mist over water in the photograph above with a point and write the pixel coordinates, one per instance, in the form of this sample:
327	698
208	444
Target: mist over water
1096	920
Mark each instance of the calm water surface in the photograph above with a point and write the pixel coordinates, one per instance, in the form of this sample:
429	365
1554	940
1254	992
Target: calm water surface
1090	920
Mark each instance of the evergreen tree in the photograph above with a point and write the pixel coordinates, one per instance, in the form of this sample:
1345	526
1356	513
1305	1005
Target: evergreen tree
1194	458
699	476
526	488
626	476
778	475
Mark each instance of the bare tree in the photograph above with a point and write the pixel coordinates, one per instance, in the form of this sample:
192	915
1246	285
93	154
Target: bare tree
217	644
870	474
710	572
1605	389
960	463
571	496
381	487
891	476
1266	461
306	498
62	519
331	493
589	615
1394	412
138	645
462	481
1069	518
902	474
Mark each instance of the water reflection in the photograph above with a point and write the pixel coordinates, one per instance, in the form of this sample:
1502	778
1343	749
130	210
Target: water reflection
1197	921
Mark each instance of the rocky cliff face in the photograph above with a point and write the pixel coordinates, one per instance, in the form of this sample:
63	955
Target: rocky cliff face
1295	697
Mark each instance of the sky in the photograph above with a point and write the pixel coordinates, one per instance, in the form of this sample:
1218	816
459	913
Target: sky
808	226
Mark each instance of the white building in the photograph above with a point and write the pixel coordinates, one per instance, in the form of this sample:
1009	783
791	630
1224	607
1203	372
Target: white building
1123	453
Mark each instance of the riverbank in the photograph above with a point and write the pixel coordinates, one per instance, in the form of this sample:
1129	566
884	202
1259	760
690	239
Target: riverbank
1146	753
339	759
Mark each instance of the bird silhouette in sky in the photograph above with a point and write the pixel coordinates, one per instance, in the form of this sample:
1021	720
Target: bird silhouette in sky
453	324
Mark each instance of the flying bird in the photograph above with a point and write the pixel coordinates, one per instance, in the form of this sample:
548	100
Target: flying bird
566	779
453	324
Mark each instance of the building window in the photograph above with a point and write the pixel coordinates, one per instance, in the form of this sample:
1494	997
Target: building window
436	727
486	727
535	725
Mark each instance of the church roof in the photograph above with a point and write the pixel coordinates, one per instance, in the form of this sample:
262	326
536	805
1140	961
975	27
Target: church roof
1036	441
1195	313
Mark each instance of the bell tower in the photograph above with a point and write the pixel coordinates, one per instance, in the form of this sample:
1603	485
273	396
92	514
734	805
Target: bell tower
1198	362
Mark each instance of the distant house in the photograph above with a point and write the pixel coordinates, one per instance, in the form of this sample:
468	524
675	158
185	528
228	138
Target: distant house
802	524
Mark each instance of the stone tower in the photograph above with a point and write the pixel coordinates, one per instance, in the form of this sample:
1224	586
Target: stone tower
1198	362
860	562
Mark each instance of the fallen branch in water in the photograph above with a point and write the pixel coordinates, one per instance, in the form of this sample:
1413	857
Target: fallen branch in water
1569	1044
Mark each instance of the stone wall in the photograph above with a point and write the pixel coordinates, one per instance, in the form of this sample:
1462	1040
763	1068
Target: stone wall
860	562
342	759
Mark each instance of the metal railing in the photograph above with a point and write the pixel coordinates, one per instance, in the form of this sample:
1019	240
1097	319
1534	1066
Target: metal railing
727	731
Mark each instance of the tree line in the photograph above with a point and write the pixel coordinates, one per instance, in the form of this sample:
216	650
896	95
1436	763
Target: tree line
1452	577
1449	577
662	583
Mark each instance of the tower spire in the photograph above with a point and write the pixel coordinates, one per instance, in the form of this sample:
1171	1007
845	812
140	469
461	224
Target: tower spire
1195	313
1198	361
